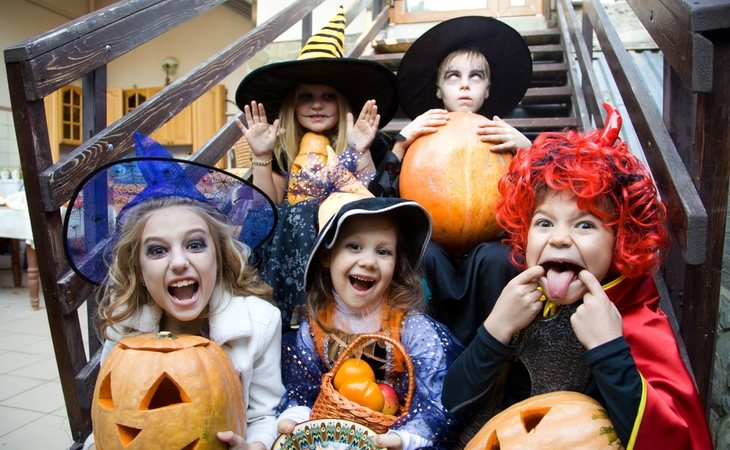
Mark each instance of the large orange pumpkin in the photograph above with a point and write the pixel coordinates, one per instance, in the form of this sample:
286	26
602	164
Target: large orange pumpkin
558	420
161	391
454	175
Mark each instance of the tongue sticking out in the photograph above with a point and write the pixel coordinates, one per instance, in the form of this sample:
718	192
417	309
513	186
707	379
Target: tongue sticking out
558	282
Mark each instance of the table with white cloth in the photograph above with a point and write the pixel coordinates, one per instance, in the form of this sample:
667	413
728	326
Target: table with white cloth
15	225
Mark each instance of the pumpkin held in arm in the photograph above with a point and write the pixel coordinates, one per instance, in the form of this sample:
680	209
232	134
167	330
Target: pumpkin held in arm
166	391
454	175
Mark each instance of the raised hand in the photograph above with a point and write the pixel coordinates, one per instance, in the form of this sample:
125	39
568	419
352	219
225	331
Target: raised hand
517	305
360	134
503	135
260	135
597	320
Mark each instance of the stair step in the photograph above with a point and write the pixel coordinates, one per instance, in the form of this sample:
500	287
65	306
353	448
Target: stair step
549	74
400	45
528	125
542	95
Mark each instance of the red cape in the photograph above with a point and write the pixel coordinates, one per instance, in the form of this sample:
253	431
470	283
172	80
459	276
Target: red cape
671	415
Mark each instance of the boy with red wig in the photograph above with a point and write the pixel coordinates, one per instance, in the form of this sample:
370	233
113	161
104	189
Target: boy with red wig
585	223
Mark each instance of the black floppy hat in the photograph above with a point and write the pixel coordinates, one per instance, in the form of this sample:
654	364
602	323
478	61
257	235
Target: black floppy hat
509	58
411	218
321	61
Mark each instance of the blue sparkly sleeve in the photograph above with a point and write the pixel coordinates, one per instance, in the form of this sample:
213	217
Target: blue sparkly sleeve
301	369
432	349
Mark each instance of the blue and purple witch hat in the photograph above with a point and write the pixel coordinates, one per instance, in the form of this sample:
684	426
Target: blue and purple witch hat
98	208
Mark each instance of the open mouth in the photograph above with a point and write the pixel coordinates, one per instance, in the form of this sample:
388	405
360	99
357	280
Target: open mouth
183	290
559	275
360	283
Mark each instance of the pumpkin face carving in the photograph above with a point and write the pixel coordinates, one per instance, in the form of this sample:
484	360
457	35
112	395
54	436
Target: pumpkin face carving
166	392
558	420
454	176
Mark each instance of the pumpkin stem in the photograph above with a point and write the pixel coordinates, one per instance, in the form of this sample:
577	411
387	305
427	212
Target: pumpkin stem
166	335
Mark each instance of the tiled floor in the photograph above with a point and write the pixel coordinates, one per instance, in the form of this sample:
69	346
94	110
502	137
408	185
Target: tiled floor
32	409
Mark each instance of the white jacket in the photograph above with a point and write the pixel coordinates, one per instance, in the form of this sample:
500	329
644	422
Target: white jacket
249	330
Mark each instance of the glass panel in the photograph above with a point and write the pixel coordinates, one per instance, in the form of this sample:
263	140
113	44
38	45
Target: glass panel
66	113
440	5
76	115
66	131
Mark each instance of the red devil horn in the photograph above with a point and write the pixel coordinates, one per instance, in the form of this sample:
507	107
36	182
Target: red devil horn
611	127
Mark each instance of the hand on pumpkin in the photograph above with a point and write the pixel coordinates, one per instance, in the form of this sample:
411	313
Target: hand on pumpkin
260	135
503	135
517	305
597	320
388	440
360	134
236	442
427	123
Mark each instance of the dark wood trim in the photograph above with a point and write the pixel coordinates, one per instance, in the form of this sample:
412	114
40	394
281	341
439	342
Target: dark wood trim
56	60
689	52
117	140
687	214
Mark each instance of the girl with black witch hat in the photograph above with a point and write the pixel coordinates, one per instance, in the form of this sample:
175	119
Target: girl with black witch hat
283	104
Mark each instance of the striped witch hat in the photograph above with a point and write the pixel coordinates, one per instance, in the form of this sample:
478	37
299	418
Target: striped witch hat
329	42
322	61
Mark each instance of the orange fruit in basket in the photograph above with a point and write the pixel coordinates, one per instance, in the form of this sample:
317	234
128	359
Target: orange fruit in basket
363	392
351	370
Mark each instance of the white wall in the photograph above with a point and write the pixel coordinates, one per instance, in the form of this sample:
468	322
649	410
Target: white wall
266	9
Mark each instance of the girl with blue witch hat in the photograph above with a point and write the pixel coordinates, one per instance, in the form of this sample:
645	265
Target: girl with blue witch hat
171	254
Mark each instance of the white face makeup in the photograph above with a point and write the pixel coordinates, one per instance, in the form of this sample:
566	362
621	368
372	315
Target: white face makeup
463	85
564	240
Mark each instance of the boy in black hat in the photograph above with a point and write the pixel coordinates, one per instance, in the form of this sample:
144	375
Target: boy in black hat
473	64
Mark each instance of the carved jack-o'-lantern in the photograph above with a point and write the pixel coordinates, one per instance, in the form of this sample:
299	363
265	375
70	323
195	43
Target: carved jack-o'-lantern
454	175
558	420
162	391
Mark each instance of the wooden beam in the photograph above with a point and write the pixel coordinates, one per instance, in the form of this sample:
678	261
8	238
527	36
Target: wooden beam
687	214
689	52
59	180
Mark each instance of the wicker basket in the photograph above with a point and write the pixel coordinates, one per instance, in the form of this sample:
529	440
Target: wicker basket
331	404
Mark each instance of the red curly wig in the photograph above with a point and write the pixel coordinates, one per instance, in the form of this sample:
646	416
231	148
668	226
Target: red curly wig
607	180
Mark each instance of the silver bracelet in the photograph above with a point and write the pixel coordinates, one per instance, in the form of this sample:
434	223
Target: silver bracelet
262	163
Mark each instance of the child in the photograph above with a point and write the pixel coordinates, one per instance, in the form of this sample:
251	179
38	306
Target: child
315	93
479	65
361	278
584	220
177	266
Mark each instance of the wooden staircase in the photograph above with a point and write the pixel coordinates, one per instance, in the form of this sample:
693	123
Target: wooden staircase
555	101
547	104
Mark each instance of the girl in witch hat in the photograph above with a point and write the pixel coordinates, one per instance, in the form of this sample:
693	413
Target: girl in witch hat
172	255
585	222
473	64
361	278
311	99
